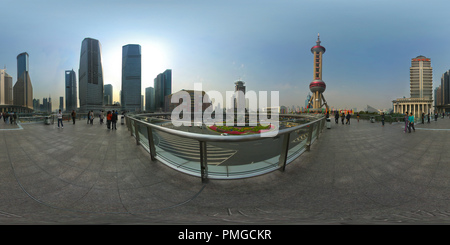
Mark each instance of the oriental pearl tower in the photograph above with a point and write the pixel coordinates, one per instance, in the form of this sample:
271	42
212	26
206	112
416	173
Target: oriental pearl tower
317	86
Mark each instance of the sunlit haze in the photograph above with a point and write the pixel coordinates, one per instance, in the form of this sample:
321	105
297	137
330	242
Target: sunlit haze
369	44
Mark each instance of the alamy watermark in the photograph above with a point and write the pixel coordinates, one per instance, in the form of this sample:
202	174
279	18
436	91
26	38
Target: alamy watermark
249	109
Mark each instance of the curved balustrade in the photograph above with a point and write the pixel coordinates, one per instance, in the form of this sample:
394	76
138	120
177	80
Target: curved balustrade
199	152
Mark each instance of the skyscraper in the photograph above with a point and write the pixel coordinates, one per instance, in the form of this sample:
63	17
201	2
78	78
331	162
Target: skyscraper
71	91
108	94
131	77
163	87
23	90
421	88
5	88
150	99
90	76
421	78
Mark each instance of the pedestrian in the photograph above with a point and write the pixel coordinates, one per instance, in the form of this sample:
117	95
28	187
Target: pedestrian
102	116
336	117
357	116
423	118
108	119
114	120
406	121
348	118
411	123
382	119
60	116
435	116
74	114
342	118
15	118
91	117
88	119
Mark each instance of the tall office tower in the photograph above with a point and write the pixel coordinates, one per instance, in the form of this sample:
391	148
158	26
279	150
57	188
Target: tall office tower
421	78
5	88
131	77
71	91
108	94
90	76
61	103
445	84
239	86
163	87
317	86
23	90
150	99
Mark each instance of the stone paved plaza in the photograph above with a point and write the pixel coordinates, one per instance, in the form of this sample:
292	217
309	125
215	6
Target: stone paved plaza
361	173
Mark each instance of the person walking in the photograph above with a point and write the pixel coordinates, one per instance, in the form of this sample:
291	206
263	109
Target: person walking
411	122
428	118
91	117
342	118
348	118
114	120
108	119
406	121
336	117
74	114
357	116
102	116
60	116
423	118
382	119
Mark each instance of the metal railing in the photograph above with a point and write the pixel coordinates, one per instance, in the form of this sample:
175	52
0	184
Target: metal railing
210	156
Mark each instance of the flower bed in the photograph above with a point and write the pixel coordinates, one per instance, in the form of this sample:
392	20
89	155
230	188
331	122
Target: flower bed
241	130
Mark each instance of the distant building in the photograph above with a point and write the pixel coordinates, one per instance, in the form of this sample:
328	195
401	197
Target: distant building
421	88
108	94
90	76
442	94
71	90
131	77
237	100
23	90
150	99
6	93
61	103
163	88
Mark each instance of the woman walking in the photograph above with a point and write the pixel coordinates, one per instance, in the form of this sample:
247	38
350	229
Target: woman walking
411	122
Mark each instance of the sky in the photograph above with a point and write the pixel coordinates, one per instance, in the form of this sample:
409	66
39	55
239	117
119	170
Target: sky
369	44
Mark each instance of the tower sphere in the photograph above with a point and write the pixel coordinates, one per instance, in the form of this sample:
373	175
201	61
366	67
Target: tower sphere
318	49
317	85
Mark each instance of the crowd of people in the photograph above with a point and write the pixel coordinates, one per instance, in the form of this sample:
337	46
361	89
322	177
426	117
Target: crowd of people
111	118
9	117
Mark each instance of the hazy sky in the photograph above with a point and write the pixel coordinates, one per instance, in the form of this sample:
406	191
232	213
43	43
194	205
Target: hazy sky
369	44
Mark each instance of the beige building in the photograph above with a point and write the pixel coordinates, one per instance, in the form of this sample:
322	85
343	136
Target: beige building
421	89
6	94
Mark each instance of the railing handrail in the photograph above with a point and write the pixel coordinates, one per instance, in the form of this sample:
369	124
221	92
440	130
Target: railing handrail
219	138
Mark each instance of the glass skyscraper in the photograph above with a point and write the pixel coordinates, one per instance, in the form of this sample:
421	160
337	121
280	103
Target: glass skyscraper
163	87
23	90
71	91
150	99
131	77
108	94
90	76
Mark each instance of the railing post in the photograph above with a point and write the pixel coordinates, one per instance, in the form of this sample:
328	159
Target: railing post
151	144
319	123
284	152
136	132
203	162
308	141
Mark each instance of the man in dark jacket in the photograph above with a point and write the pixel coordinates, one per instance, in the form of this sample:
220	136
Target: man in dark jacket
114	120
